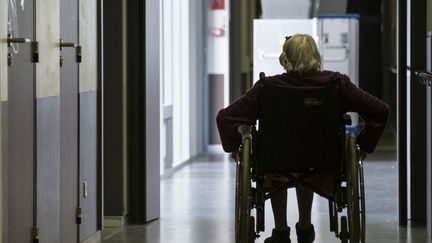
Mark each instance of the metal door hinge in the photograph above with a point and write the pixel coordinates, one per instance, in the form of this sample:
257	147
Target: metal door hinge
35	235
35	50
78	216
9	59
78	50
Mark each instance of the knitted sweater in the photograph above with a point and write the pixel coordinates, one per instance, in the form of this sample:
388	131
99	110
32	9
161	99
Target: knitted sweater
244	111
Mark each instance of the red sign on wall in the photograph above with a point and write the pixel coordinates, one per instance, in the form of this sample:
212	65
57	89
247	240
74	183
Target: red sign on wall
217	4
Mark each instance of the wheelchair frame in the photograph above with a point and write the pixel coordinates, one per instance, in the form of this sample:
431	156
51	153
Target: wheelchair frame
348	192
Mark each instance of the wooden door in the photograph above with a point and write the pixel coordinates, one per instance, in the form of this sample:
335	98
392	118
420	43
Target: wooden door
69	128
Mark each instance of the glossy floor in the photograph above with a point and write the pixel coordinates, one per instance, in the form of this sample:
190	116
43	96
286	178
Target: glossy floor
197	204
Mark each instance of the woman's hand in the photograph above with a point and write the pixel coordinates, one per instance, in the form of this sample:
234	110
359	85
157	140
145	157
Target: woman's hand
234	155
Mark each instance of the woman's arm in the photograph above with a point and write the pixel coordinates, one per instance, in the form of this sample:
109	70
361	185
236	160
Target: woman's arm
244	111
374	112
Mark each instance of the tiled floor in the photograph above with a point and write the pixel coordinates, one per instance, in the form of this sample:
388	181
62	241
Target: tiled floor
197	204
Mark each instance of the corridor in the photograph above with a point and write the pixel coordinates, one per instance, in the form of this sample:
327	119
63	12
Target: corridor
108	110
197	205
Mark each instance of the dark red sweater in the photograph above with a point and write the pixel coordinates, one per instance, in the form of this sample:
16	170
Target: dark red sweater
244	111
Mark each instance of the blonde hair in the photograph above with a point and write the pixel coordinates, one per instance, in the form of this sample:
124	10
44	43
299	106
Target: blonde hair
300	54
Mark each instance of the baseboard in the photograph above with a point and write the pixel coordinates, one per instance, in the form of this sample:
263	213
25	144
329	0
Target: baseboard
94	238
114	221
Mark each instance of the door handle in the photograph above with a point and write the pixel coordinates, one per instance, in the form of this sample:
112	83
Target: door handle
35	47
11	40
66	44
63	44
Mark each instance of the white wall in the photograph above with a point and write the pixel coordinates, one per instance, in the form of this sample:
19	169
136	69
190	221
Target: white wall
181	79
175	77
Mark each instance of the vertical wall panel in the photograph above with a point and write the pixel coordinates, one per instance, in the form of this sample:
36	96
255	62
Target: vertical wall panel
216	102
429	159
88	124
3	89
177	81
402	109
144	108
3	49
48	35
20	158
88	156
429	119
69	180
197	65
48	168
152	104
185	82
48	120
113	110
177	77
125	104
88	39
4	170
418	149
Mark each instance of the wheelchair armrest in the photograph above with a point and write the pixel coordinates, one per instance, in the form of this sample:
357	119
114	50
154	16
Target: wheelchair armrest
245	131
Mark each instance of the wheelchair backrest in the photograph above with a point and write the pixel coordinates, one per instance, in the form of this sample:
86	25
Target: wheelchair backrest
300	127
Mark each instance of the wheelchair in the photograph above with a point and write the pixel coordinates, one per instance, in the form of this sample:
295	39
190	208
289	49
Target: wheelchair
301	134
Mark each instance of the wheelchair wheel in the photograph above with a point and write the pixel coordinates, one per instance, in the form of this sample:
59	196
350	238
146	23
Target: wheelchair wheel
355	193
362	204
344	235
244	222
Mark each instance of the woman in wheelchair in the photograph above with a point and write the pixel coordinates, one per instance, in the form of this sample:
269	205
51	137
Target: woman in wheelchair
301	60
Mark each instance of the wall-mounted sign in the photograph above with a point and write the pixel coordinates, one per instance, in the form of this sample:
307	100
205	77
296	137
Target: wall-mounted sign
217	4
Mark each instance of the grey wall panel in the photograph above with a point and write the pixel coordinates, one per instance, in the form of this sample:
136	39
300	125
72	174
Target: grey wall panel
216	96
48	168
152	108
429	124
4	198
418	151
113	109
68	123
196	17
429	160
143	110
21	133
88	170
332	6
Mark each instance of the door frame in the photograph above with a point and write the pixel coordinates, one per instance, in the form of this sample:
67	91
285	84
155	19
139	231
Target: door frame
99	104
143	110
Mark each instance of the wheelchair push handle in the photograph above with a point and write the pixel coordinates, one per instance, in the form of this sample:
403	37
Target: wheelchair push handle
346	119
245	131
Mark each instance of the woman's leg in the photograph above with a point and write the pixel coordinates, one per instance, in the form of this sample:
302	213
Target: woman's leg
279	206
304	202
